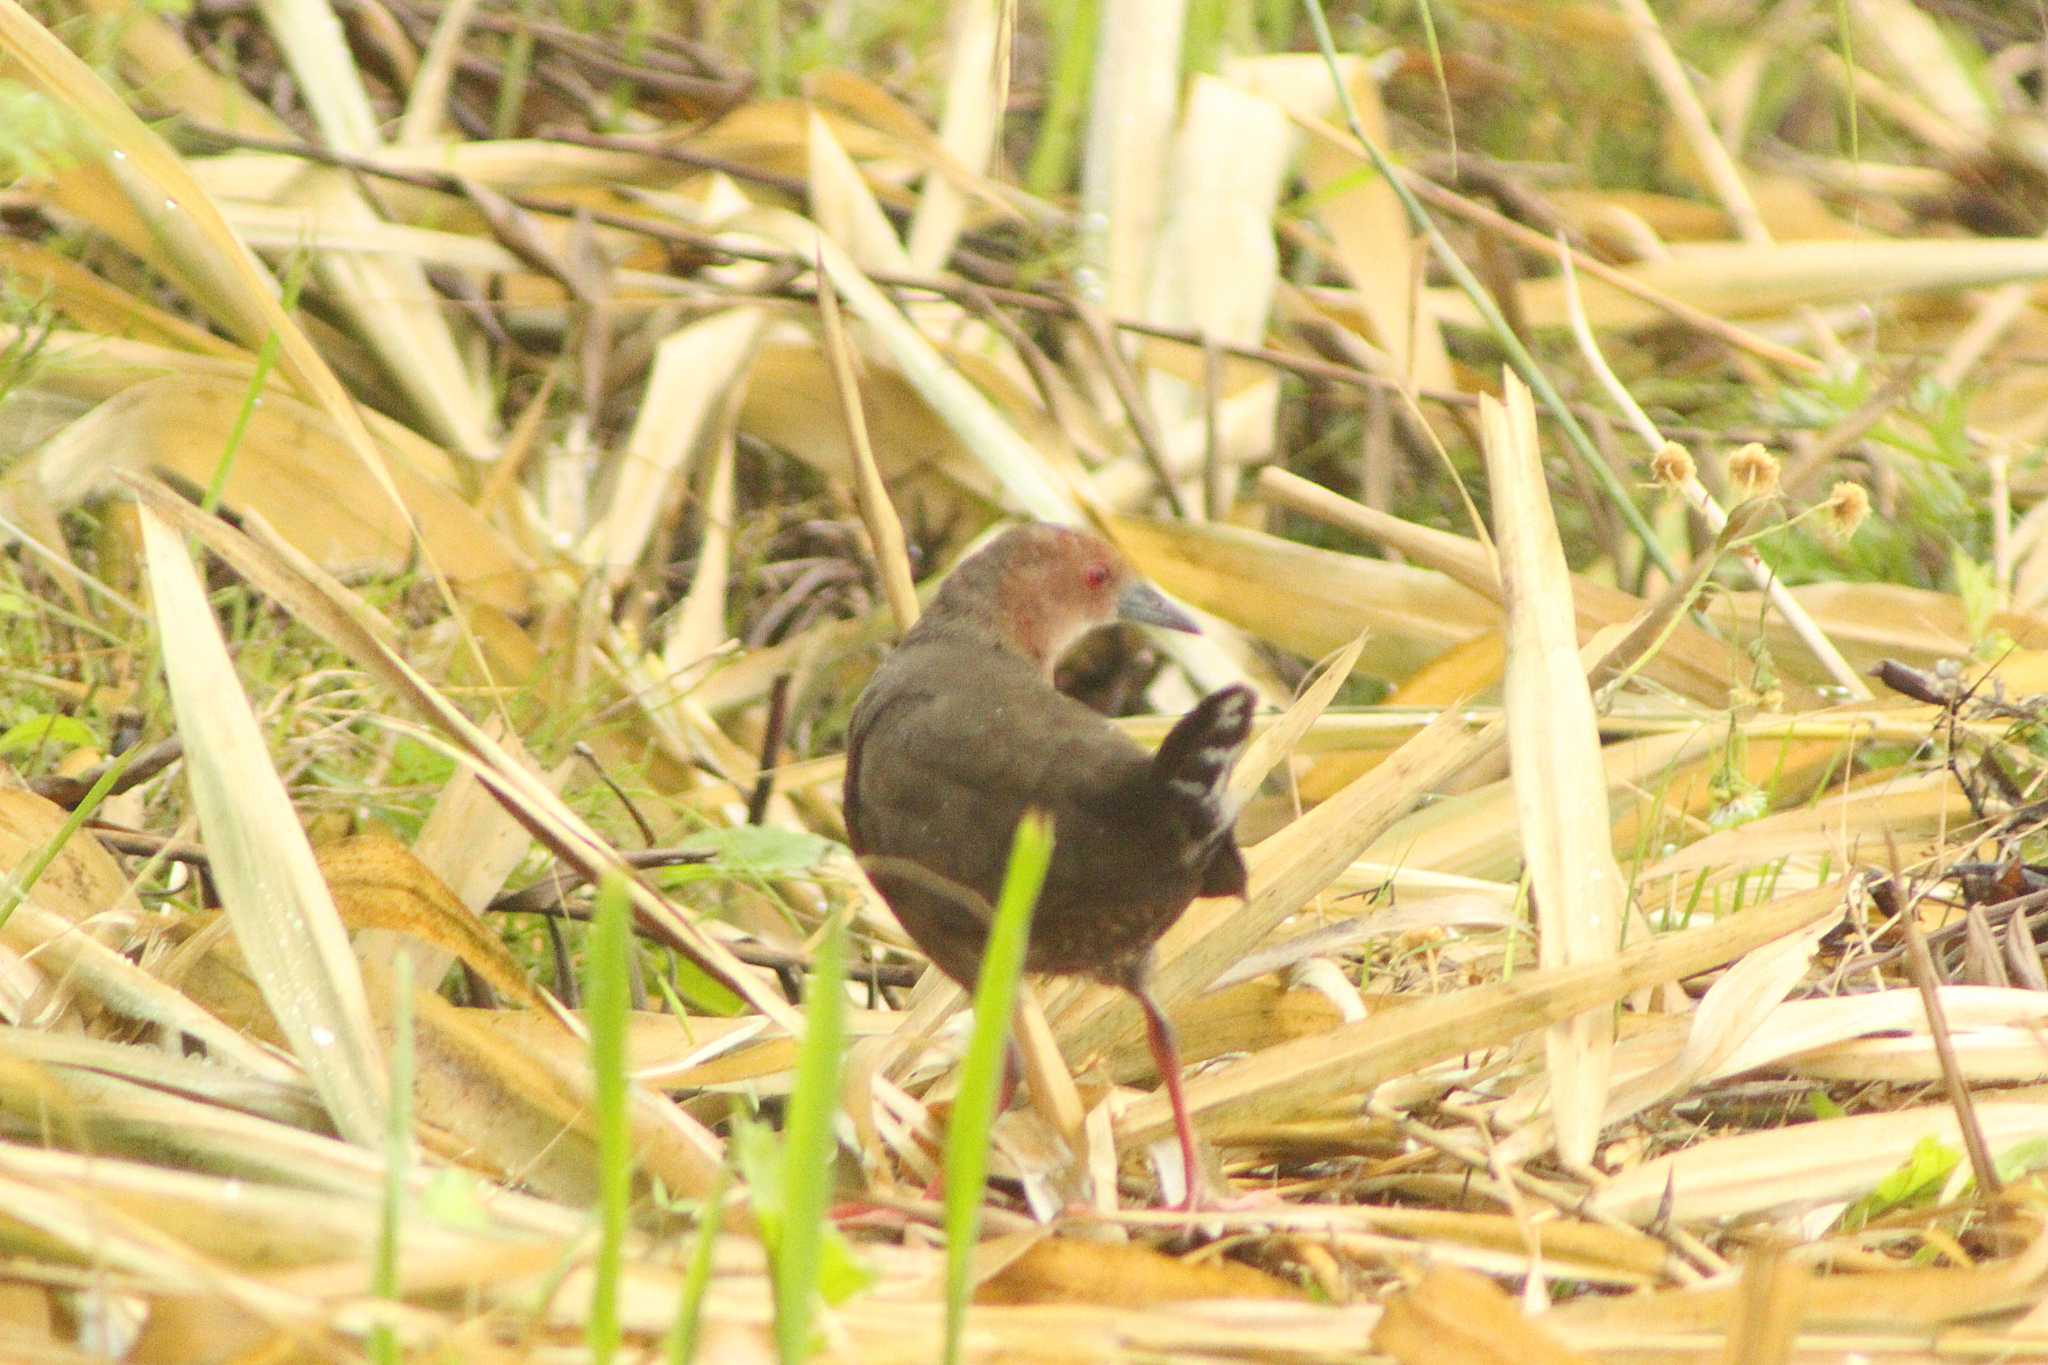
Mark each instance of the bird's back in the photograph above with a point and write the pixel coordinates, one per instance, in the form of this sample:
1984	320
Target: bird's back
948	747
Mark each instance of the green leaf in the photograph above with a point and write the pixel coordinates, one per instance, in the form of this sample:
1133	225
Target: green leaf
974	1108
48	731
761	850
809	1147
606	1004
1915	1182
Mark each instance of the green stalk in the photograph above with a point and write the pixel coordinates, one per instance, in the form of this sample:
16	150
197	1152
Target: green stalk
1518	356
606	1002
808	1149
383	1342
974	1107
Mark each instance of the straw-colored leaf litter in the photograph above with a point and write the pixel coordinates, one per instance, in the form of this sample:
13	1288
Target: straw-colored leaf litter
457	457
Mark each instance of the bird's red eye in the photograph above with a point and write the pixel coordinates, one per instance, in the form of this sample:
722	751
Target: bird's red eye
1095	575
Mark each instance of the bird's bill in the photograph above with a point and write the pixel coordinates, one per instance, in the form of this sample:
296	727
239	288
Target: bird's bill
1147	606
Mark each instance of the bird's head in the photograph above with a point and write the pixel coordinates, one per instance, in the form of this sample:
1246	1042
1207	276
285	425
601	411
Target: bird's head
1042	587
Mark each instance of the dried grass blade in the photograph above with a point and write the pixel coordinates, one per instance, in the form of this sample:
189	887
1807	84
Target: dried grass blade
689	386
192	242
986	433
1799	1167
870	494
1554	743
1136	92
283	915
976	93
1276	740
348	625
1294	1076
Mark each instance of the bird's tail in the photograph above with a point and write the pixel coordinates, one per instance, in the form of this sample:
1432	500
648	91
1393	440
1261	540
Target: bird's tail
1193	765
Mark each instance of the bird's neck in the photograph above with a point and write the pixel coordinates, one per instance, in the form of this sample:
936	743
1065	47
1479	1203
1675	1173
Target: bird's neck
1023	629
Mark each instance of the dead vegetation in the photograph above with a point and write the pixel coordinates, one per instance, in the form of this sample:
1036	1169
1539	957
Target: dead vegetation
1626	974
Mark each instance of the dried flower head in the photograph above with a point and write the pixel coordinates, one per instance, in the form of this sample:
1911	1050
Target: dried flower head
1752	473
1847	507
1672	467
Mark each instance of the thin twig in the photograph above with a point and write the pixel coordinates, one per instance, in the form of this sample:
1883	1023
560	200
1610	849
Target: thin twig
870	494
1704	503
1920	963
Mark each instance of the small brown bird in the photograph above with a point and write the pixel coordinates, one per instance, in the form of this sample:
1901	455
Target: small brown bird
961	731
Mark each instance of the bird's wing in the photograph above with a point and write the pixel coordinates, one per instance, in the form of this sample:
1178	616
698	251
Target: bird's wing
952	749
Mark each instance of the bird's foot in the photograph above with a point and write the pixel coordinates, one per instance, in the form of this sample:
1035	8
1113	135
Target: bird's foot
1202	1201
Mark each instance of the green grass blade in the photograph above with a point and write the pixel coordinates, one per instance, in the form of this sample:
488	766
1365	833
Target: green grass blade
1517	355
682	1338
1074	26
974	1108
383	1344
605	1006
807	1169
14	888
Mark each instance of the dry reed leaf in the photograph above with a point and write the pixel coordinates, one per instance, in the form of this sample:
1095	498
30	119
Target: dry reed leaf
350	627
386	298
1907	1299
293	468
1365	220
1557	773
1132	104
1274	742
156	58
697	630
1294	1077
1904	42
1690	662
845	208
1735	1011
470	842
115	1117
1901	805
790	404
288	1102
526	1112
1246	1015
1732	280
133	187
378	883
1991	1056
1456	1317
1231	157
1308	601
977	90
689	387
426	104
94	306
1805	1165
885	128
100	1211
1811	1029
1874	621
1474	833
90	369
90	968
983	430
284	918
1452	678
239	1222
1065	1271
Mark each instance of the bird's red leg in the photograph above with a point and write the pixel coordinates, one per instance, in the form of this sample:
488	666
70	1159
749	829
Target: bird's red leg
1166	1056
